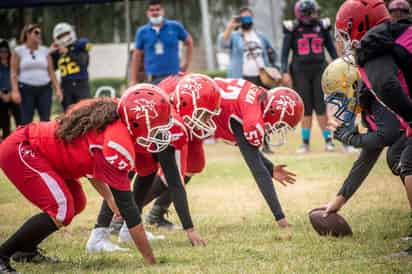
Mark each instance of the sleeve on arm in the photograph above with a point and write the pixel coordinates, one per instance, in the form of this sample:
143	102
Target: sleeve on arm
382	73
182	33
127	207
286	45
168	163
330	45
222	44
139	39
360	170
268	163
388	129
259	171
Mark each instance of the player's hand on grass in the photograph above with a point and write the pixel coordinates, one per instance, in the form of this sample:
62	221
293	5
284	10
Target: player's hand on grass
283	176
195	238
283	223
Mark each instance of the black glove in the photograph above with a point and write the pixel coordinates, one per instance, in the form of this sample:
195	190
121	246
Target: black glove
348	136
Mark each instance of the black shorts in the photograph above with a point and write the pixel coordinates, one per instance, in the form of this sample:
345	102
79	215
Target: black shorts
74	91
393	155
307	82
406	159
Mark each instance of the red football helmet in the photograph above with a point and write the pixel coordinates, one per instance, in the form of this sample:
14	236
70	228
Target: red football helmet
283	110
197	99
169	83
145	110
355	17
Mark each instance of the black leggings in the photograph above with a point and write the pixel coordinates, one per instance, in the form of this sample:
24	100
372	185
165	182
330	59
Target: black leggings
145	189
307	82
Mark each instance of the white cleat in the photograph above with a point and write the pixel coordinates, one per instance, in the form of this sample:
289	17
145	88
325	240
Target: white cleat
99	241
330	147
124	235
303	149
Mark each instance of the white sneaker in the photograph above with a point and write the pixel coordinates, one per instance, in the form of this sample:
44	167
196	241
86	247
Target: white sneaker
350	149
99	241
125	237
303	149
330	147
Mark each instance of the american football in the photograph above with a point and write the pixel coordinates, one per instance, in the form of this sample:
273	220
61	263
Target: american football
333	224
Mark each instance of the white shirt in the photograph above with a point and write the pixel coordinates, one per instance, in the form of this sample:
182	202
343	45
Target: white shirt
33	65
252	54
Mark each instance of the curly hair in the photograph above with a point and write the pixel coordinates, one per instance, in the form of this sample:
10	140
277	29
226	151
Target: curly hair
87	115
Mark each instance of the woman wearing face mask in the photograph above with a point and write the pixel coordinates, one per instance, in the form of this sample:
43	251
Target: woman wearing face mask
249	50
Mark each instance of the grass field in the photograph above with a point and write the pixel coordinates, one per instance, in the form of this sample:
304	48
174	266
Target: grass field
231	214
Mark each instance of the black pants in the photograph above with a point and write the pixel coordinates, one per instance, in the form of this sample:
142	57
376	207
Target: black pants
307	82
4	120
35	97
74	91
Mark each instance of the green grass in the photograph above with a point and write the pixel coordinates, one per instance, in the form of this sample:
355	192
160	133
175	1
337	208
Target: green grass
230	213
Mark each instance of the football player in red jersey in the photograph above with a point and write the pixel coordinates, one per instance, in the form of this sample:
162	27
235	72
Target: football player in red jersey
195	101
247	114
383	54
96	139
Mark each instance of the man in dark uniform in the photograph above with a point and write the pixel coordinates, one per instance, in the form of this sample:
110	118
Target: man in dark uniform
307	36
71	56
383	53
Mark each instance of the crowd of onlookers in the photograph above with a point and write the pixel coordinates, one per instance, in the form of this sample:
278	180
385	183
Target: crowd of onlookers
28	78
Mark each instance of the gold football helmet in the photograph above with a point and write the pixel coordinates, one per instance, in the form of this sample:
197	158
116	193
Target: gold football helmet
338	84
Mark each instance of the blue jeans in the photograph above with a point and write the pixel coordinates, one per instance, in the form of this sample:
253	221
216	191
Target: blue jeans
35	97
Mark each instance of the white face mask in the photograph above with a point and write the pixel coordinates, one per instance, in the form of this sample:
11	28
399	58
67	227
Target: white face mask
156	20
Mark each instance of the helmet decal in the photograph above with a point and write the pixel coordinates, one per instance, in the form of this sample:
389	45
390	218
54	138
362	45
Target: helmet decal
143	107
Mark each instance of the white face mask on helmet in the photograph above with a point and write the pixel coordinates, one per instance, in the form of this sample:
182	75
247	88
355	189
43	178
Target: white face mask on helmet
64	34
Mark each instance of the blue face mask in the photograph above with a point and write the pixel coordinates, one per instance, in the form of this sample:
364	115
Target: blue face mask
246	22
156	20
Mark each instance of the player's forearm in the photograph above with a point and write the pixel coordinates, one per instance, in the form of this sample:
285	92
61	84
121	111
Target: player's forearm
360	170
168	163
104	190
259	171
139	237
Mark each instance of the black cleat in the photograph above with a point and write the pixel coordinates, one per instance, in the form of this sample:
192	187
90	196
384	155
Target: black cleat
156	218
406	252
5	267
33	257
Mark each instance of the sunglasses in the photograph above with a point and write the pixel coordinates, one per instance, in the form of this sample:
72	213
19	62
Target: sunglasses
37	32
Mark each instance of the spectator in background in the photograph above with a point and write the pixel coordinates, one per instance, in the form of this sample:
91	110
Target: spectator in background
399	10
157	45
249	49
4	89
307	36
31	74
71	55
